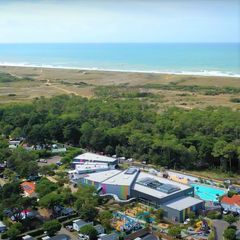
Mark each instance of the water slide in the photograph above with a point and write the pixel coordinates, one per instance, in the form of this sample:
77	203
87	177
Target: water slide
116	198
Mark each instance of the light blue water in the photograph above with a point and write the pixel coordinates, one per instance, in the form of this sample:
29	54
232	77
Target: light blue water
208	193
203	59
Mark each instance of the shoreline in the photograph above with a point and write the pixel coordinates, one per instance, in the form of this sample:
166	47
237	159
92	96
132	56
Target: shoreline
184	73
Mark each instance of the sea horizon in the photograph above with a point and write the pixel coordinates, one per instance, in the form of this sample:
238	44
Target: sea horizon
205	59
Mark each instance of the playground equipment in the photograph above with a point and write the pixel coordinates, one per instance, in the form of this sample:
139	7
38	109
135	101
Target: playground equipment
121	222
198	226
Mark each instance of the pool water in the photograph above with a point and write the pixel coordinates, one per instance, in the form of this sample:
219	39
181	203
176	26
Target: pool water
207	193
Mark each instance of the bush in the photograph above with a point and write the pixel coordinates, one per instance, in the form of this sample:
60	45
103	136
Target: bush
235	100
231	193
52	227
4	235
211	236
230	219
159	214
90	231
230	234
214	215
174	231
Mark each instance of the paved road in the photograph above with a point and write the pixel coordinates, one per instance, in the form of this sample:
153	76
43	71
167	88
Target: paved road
220	226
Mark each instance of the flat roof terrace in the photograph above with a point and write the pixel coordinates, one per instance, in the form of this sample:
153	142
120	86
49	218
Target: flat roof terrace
102	176
183	203
125	178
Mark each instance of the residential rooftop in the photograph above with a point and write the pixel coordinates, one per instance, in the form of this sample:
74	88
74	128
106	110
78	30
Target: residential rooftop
28	187
234	200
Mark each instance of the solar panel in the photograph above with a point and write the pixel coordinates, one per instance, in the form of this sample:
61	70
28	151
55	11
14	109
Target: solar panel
131	171
168	188
162	187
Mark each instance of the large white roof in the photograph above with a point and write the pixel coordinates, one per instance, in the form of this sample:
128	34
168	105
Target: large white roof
183	203
102	176
91	166
123	178
94	157
154	192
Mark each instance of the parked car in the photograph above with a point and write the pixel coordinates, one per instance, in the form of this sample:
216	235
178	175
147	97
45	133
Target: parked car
33	178
59	163
42	160
69	228
225	212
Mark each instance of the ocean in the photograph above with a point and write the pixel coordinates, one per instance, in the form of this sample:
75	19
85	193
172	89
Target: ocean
218	59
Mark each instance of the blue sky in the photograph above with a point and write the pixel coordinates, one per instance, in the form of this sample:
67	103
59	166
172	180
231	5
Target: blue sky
119	21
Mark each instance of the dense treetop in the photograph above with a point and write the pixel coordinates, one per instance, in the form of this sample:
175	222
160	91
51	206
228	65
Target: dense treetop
174	138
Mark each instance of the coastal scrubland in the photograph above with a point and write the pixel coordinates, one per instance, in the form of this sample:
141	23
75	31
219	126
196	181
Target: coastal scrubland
160	89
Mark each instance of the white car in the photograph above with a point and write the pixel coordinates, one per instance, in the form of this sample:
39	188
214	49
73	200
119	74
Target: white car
43	161
225	212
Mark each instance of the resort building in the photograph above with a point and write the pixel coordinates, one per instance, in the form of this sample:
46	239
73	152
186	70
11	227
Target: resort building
155	190
121	184
87	167
95	158
177	210
96	179
176	199
231	204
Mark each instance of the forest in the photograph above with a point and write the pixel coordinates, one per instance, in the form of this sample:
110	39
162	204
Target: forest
174	138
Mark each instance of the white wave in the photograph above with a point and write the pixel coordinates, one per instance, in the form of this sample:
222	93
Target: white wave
212	73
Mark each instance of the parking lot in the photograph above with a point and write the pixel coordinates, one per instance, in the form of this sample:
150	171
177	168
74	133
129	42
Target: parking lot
49	161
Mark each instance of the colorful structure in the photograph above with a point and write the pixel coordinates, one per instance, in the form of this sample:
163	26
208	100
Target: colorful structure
121	183
174	198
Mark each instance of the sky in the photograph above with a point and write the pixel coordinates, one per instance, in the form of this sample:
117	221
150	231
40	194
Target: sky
47	21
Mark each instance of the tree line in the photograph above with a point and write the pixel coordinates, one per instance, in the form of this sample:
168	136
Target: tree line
176	138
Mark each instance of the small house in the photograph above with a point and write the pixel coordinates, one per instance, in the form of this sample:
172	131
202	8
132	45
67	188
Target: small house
3	227
231	204
99	228
112	236
28	188
67	211
79	223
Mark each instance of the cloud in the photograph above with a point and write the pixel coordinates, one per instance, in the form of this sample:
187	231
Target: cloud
119	21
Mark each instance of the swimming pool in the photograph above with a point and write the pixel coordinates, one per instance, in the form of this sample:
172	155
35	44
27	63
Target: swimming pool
207	193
